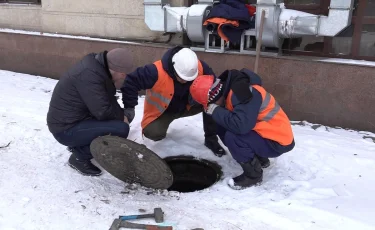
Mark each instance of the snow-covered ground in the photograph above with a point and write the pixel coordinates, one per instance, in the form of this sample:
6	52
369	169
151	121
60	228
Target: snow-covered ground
326	182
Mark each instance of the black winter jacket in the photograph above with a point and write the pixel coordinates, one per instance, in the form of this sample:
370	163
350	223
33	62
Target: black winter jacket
85	91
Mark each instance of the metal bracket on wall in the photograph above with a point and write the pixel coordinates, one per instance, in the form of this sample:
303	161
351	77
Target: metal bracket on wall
213	48
246	41
210	46
210	2
161	3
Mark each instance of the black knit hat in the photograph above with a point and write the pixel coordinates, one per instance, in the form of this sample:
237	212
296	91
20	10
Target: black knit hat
120	60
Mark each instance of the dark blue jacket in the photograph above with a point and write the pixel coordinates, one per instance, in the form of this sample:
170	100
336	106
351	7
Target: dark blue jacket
232	10
243	118
145	77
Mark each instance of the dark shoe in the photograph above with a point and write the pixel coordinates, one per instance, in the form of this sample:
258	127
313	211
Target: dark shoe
85	167
214	146
252	174
264	161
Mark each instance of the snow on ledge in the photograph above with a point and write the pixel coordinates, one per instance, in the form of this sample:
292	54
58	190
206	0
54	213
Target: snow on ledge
347	61
3	30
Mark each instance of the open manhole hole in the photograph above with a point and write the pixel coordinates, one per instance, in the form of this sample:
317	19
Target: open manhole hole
191	174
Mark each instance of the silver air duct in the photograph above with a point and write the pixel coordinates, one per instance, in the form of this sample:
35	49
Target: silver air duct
175	19
339	17
270	37
286	23
160	16
279	22
154	14
196	17
294	23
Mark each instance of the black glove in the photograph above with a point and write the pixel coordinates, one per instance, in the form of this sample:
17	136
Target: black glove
129	113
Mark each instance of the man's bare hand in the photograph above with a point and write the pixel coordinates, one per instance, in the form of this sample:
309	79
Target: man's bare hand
126	120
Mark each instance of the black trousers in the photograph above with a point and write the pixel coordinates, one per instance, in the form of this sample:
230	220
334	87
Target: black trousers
80	136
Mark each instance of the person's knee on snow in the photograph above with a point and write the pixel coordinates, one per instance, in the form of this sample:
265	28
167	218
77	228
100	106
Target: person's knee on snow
157	129
255	123
154	134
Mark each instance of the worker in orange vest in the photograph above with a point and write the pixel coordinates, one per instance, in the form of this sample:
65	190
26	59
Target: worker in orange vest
167	82
251	123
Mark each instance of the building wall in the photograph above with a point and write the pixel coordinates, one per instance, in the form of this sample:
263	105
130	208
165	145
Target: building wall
121	19
326	93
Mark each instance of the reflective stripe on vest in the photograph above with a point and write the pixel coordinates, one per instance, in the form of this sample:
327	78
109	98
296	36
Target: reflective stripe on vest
163	99
154	103
265	104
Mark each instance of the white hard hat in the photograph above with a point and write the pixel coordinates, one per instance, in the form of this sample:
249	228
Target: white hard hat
186	64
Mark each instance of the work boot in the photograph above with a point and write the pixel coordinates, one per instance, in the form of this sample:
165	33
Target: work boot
213	144
252	174
85	167
264	161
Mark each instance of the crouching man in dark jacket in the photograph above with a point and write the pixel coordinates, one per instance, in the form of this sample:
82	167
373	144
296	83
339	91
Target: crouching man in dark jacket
252	124
167	82
84	106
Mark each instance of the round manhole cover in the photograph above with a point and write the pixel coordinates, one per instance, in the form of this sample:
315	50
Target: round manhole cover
131	162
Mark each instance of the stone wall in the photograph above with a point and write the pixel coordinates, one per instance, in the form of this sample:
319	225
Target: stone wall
120	19
326	93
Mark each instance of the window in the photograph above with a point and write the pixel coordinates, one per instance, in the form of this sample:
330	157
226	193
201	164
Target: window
308	6
367	43
356	42
21	1
370	8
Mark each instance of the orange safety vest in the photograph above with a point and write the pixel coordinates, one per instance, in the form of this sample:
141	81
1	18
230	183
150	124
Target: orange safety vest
272	122
160	95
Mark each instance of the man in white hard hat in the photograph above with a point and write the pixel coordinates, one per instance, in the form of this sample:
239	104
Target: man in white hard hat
167	82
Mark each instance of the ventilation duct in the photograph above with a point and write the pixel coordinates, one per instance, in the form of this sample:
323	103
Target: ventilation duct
160	16
175	19
194	24
279	22
286	23
154	14
294	23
